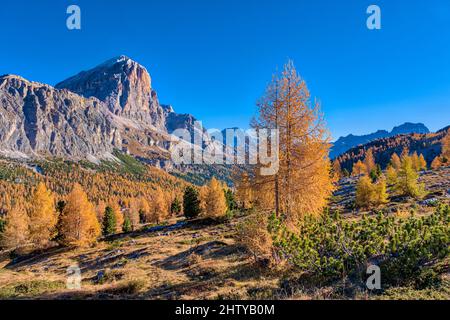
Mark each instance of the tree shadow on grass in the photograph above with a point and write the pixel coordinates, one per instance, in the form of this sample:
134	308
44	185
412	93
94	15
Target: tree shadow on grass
36	257
210	250
114	260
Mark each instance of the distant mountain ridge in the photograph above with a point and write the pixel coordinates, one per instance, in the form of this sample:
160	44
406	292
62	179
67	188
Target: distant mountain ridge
428	144
343	144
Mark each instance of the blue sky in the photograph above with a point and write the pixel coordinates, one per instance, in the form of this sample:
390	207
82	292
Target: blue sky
213	58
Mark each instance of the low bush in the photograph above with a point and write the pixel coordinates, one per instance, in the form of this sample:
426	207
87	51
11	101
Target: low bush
332	248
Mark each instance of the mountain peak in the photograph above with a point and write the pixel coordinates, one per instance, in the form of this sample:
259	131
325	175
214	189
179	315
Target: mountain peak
122	59
124	85
409	127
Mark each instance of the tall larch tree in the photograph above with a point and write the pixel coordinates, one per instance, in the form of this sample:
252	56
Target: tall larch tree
244	192
159	206
337	171
358	168
369	162
395	161
407	182
391	175
380	195
203	195
16	234
216	204
304	166
43	217
144	210
133	213
364	192
79	224
422	162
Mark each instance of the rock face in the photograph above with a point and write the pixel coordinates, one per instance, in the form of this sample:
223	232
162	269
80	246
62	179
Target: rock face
38	120
125	86
344	144
87	116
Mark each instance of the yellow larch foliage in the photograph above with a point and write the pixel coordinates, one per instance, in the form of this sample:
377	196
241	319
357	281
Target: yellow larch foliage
303	182
364	189
391	175
216	205
203	195
79	224
422	163
369	194
43	217
144	210
437	163
337	171
415	161
369	161
359	168
159	207
407	182
395	161
244	194
16	233
133	213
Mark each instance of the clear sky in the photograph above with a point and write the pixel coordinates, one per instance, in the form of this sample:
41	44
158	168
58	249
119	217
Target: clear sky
213	58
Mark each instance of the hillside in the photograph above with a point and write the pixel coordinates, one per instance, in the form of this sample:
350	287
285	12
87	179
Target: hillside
437	185
118	181
197	259
427	144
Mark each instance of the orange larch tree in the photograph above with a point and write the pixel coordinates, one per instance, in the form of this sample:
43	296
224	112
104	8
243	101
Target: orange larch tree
79	224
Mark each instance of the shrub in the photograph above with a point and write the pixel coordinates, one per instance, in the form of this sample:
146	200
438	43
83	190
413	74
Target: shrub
332	248
254	235
369	194
130	287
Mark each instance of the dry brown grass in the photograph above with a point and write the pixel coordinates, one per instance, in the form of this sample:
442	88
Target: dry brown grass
196	262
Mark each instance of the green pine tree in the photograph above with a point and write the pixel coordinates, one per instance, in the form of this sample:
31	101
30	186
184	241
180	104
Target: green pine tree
127	226
109	222
230	199
175	207
191	203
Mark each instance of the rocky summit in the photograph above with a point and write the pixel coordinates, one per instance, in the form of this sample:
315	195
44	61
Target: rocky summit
112	106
